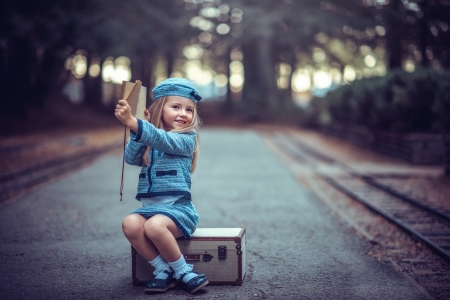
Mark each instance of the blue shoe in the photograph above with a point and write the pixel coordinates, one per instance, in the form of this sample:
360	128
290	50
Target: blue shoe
161	285
195	283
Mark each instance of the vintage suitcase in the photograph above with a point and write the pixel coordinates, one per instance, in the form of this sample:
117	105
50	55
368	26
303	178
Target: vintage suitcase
219	253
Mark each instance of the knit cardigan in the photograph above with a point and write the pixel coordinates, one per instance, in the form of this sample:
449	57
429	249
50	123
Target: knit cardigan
169	173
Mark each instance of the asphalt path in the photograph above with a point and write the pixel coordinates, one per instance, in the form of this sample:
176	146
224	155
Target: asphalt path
64	240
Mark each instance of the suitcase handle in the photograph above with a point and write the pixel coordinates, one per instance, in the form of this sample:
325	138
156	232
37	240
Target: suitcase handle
198	257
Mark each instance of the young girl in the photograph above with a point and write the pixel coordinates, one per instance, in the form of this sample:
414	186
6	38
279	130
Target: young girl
166	148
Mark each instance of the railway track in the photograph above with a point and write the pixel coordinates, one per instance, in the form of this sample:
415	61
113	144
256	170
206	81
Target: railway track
424	222
19	144
28	162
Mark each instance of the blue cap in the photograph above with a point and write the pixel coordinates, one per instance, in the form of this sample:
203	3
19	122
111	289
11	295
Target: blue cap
176	87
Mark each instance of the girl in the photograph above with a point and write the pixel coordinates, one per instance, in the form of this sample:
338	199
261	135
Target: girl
166	148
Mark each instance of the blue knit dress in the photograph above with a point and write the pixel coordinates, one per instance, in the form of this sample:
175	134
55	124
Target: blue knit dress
169	173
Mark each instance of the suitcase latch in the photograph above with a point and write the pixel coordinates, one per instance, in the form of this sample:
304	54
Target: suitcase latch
222	252
198	257
207	257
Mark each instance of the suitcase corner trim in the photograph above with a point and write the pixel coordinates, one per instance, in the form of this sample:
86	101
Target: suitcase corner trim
238	239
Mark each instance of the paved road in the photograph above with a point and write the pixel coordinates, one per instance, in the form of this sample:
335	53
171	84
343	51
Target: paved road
64	240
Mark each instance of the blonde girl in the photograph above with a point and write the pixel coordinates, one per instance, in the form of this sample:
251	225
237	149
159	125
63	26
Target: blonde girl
166	149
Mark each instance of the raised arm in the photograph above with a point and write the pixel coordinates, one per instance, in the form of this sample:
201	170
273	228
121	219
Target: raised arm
169	142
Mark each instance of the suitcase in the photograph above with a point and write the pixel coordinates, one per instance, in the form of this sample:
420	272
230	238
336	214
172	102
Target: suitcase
219	253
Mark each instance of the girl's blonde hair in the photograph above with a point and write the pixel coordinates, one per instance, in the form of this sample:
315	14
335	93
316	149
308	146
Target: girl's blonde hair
156	112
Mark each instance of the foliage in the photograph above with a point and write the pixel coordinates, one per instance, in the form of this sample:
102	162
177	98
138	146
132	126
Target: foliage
287	29
392	31
398	102
37	36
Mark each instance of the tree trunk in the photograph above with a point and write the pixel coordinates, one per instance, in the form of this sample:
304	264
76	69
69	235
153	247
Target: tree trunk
251	101
18	76
170	62
48	86
137	68
423	33
228	100
92	87
393	35
93	90
267	79
286	94
3	75
148	78
446	139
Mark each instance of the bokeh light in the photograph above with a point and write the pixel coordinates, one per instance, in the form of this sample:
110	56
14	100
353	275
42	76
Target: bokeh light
322	79
236	15
206	77
223	28
77	64
349	74
94	69
236	82
237	76
224	8
194	51
409	65
108	69
380	30
122	71
283	80
80	66
301	80
319	55
210	12
236	67
221	80
236	54
193	69
336	76
370	60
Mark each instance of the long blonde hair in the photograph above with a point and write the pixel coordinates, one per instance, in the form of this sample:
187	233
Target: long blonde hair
156	112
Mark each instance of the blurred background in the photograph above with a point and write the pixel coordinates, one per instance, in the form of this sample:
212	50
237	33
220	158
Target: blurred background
381	64
374	73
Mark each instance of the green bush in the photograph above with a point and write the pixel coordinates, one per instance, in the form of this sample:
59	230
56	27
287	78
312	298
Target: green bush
398	102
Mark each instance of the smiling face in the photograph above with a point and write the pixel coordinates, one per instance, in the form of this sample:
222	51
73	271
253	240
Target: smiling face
177	112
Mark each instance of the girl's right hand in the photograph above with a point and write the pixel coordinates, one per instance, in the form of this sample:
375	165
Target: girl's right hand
123	113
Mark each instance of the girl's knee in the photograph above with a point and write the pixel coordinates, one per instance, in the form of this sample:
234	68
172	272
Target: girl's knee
132	225
154	229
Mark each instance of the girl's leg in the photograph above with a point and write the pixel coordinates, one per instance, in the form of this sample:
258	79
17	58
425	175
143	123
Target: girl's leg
162	231
133	228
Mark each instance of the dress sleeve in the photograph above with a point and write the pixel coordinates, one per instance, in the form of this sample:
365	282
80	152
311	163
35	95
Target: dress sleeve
168	142
134	151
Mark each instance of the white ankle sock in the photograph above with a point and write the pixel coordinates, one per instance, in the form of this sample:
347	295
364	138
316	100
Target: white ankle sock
181	267
160	265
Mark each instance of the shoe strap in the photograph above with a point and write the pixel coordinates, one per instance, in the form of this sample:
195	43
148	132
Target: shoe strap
182	276
168	273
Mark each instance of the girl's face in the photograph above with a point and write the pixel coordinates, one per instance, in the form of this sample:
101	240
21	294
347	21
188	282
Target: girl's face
177	112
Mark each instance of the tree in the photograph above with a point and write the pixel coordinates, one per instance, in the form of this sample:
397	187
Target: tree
272	32
35	36
39	35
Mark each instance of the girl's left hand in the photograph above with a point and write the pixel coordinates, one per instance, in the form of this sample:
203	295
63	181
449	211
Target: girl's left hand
147	115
